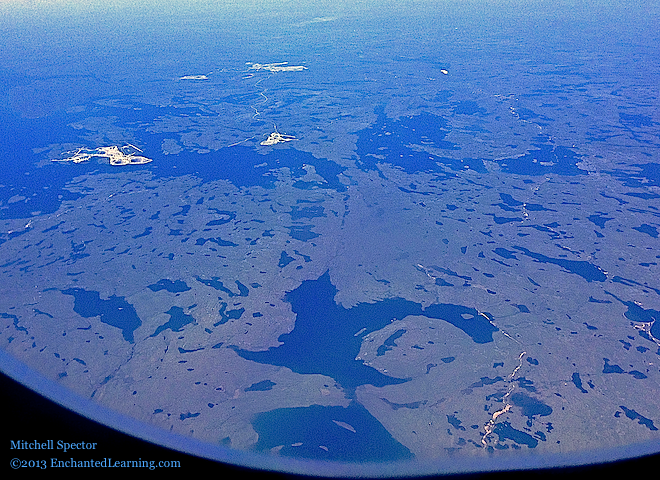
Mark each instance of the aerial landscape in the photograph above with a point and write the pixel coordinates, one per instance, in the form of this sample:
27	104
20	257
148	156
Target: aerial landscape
365	232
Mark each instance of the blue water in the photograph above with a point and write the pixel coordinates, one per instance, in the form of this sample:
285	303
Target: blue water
177	321
426	128
19	136
262	386
642	420
285	259
323	339
43	187
166	284
531	407
242	165
564	162
314	427
636	313
586	270
419	129
577	381
593	60
115	311
505	431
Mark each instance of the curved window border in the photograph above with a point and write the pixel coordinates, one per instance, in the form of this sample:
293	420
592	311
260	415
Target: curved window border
523	461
